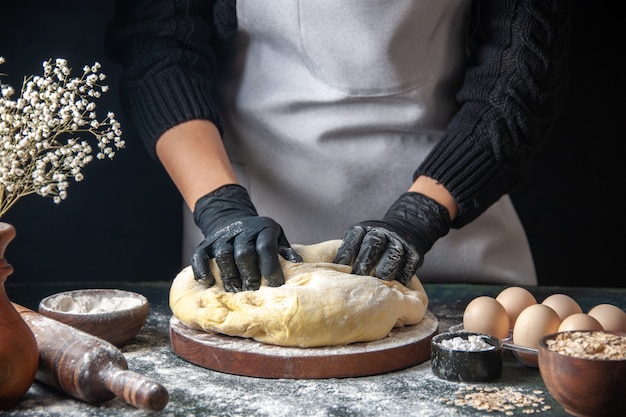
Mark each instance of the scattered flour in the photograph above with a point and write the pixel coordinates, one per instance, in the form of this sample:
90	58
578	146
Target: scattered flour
199	392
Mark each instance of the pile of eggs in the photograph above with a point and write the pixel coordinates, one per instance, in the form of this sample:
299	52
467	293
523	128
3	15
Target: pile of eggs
515	312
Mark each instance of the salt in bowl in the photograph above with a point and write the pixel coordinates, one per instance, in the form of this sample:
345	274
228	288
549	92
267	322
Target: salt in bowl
466	356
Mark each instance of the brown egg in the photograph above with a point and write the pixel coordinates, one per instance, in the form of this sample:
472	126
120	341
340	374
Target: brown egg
532	324
611	317
486	315
580	321
563	304
515	300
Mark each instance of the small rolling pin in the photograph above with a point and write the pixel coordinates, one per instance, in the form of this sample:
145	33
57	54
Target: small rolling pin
88	368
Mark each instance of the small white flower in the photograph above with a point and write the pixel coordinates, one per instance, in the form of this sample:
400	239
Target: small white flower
39	146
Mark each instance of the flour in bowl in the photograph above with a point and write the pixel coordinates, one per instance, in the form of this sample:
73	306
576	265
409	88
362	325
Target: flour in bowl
91	304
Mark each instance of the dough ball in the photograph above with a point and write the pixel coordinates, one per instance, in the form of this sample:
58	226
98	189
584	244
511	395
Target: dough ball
320	304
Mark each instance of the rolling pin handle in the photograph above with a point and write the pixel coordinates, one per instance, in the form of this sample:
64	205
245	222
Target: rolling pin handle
138	391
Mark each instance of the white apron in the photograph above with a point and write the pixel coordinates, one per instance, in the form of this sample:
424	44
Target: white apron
329	107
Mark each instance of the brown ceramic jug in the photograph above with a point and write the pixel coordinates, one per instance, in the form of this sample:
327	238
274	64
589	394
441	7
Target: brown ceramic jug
19	355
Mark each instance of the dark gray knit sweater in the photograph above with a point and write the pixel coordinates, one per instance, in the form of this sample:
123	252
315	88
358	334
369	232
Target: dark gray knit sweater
511	93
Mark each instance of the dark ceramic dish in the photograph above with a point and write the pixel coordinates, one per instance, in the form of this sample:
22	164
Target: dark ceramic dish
466	365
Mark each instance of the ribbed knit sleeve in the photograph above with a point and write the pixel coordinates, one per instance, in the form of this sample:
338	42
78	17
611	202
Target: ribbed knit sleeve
510	96
165	49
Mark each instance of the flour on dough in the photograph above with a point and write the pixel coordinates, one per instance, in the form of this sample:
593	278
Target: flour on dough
320	304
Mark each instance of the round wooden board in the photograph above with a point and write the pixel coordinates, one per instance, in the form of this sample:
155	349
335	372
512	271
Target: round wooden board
402	348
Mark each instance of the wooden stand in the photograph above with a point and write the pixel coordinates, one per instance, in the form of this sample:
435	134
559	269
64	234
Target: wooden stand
402	348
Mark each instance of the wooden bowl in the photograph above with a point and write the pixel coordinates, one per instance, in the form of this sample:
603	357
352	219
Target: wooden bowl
584	386
112	315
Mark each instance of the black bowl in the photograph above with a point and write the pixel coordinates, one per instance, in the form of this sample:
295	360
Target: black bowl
466	365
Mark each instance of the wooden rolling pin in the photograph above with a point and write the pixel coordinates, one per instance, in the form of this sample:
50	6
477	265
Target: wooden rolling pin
87	367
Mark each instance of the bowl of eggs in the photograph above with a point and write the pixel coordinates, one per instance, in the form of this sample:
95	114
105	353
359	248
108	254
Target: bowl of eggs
585	371
113	315
520	321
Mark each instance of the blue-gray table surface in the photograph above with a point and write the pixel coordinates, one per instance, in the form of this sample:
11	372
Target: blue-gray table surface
196	391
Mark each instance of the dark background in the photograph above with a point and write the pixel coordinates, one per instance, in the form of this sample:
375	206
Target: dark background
123	221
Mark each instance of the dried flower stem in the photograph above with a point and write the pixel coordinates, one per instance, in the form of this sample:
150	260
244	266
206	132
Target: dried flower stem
40	149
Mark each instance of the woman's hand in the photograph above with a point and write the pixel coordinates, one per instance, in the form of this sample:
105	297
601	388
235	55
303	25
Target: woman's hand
245	246
393	248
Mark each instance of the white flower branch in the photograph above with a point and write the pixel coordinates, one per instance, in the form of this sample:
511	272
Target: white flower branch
40	144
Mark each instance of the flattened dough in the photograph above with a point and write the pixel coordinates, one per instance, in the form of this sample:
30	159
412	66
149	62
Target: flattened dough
320	304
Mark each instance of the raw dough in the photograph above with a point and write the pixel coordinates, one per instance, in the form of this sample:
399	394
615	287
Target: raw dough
320	304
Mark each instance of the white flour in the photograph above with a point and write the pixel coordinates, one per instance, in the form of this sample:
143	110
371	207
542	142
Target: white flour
91	304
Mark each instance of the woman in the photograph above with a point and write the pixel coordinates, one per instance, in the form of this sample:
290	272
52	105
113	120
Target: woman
324	115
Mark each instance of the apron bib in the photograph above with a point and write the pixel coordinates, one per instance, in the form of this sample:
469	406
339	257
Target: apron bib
330	106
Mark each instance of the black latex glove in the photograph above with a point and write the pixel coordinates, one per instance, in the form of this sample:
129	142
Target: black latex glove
245	246
394	247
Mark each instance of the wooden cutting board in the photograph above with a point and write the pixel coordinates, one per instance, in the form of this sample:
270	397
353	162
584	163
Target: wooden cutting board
402	348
